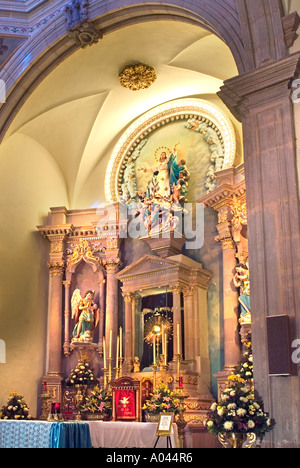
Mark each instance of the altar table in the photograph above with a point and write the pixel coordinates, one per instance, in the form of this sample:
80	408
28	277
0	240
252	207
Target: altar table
43	434
121	434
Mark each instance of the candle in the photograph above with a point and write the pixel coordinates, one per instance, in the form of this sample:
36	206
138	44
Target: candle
110	344
121	340
117	357
178	338
165	350
104	353
180	382
154	350
45	387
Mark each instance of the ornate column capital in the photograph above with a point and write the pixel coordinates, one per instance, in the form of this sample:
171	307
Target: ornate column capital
56	269
252	89
128	296
188	291
176	288
112	265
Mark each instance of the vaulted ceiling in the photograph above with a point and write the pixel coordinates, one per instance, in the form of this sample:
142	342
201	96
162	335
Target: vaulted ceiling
78	113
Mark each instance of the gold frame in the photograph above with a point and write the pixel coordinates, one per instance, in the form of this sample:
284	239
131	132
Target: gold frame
163	432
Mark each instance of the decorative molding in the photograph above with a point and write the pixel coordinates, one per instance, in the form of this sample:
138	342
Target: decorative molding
137	77
161	115
83	252
251	89
76	12
290	25
85	34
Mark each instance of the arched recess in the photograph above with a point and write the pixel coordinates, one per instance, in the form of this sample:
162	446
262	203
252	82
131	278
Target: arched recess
23	76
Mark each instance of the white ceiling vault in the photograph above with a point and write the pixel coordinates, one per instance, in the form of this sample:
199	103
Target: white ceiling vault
79	111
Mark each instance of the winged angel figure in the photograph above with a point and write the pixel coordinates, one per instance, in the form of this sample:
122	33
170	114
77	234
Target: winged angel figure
86	314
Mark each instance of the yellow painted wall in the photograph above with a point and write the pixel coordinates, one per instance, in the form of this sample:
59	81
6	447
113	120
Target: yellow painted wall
30	183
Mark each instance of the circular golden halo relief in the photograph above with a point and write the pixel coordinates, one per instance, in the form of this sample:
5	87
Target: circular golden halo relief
137	77
160	115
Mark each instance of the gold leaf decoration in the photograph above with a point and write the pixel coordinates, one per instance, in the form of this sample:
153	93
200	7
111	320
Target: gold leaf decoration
137	77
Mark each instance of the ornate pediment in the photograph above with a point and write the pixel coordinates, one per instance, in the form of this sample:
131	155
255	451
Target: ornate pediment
146	265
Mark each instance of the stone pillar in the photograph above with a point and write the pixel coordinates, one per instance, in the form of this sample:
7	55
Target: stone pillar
176	291
111	316
101	318
67	285
128	352
55	319
189	329
262	101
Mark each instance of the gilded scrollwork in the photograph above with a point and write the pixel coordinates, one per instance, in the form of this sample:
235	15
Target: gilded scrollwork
137	77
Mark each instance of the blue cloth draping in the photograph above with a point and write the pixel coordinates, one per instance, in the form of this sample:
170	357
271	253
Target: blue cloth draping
70	435
43	434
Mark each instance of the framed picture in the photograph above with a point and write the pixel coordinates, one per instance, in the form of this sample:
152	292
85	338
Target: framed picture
165	424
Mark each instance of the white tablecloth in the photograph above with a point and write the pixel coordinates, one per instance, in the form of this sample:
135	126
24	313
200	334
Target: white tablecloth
119	434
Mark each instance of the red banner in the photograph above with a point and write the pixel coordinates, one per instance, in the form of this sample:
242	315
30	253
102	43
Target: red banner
125	404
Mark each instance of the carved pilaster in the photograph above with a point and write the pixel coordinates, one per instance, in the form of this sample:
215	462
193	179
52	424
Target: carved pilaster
262	101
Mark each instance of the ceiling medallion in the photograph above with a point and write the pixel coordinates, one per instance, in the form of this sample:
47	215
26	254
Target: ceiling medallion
137	77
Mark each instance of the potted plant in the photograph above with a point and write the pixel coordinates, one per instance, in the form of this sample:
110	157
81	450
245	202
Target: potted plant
240	412
163	400
97	405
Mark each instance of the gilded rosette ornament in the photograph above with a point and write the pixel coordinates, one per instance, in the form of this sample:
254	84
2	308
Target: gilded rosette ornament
137	77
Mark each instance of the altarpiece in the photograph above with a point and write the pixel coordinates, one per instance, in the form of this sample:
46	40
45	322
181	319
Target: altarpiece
126	282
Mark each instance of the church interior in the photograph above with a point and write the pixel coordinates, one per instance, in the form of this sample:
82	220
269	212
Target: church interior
149	164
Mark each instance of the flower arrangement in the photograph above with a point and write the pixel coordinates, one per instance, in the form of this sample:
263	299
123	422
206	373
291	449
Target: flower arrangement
240	410
162	400
97	402
81	375
16	408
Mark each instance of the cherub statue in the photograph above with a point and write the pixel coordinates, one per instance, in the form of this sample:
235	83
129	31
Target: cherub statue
86	314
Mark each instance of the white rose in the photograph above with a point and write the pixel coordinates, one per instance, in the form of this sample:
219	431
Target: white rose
209	423
241	412
251	424
213	407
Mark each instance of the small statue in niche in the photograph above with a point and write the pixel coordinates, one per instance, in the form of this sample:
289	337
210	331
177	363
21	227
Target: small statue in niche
241	280
136	364
86	314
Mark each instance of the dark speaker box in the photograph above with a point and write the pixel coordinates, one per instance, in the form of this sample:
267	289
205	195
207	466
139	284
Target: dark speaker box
279	345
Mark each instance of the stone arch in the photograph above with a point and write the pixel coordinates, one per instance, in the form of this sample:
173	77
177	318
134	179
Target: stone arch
220	17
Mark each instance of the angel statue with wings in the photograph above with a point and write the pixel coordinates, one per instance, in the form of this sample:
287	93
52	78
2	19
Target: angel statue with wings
86	314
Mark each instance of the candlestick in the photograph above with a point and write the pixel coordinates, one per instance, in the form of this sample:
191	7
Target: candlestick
110	344
165	350
121	342
178	338
154	350
117	355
